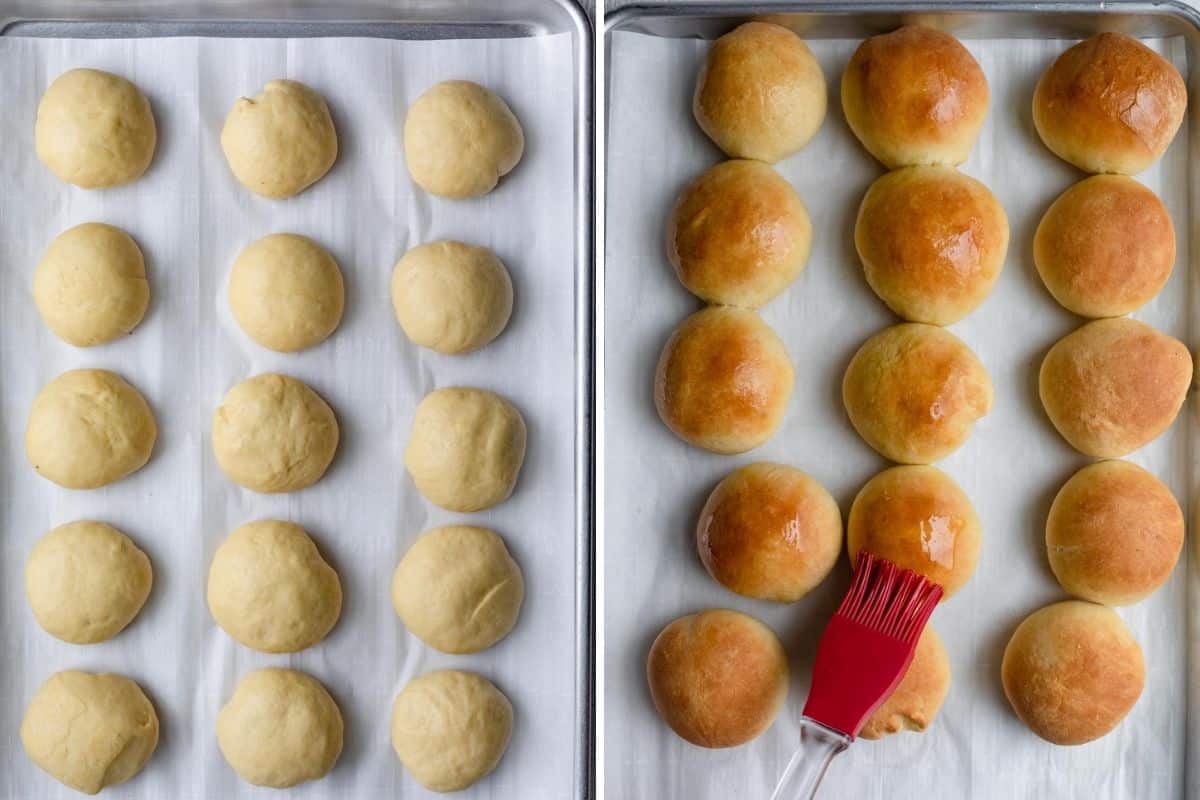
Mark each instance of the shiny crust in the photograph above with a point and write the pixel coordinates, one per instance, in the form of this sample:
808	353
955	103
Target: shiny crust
1114	385
915	96
932	242
761	93
919	518
916	701
1109	104
914	392
1105	247
738	234
1072	671
769	531
723	381
1114	533
718	677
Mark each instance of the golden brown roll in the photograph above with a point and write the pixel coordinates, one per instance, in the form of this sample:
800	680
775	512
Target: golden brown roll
1114	385
718	677
1114	533
915	96
1109	104
1105	247
914	392
916	701
723	381
761	93
769	531
919	518
932	242
1072	671
738	234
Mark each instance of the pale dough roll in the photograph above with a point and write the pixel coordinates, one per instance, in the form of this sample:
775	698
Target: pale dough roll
95	129
913	705
89	730
760	94
86	581
88	428
90	286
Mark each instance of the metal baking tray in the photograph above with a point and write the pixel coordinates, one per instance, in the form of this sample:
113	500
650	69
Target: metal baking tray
708	19
412	20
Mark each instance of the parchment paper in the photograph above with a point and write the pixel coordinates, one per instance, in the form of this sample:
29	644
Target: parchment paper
1011	467
191	218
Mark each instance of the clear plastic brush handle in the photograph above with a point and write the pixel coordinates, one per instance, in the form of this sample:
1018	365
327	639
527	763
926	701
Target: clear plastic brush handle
818	746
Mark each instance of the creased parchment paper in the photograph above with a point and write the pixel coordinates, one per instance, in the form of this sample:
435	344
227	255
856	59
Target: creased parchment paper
191	218
1011	467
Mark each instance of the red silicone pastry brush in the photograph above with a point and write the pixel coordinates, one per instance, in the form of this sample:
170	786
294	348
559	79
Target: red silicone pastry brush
863	654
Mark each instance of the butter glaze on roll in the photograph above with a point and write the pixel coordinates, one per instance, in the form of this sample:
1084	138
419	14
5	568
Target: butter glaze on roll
932	242
1114	385
915	96
1109	104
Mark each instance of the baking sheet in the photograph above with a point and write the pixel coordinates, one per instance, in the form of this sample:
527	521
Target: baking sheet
1011	467
191	218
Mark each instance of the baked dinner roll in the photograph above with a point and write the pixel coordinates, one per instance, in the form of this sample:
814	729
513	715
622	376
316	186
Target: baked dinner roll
1114	533
1105	247
916	701
932	242
1114	385
738	234
718	677
919	518
723	381
761	93
1109	104
914	392
915	96
1072	671
769	531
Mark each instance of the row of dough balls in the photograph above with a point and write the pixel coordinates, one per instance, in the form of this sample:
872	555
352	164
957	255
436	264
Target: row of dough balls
272	433
280	728
285	291
96	130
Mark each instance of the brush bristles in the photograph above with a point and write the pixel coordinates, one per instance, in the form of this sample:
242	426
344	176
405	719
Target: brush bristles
889	600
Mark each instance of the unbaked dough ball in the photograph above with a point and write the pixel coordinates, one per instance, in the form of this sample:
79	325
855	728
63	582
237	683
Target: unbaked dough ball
286	293
90	286
280	142
718	677
450	728
466	448
1072	671
90	730
918	518
272	433
86	581
458	589
269	588
94	129
1114	385
769	531
451	297
915	96
932	242
1114	533
914	392
1105	247
761	93
724	380
916	701
1109	104
460	139
280	728
88	428
738	234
